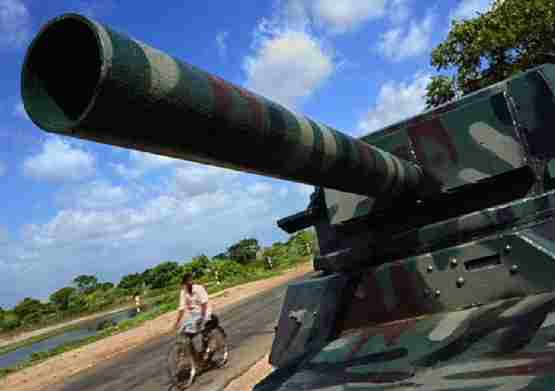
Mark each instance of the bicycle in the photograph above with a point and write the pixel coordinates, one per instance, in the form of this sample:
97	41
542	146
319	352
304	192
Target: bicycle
185	362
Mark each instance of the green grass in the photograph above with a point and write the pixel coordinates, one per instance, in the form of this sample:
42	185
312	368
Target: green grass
167	302
122	303
39	338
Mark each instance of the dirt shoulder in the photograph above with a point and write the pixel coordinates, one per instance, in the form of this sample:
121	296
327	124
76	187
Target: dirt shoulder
249	379
67	364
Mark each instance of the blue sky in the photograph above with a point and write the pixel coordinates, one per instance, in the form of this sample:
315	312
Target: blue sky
72	207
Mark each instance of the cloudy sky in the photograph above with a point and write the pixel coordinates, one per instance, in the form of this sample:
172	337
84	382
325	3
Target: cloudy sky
72	207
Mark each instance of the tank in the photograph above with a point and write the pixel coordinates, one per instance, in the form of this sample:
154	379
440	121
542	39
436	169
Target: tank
436	234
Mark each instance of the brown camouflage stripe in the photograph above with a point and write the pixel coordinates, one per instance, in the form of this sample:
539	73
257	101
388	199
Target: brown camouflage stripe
222	96
172	108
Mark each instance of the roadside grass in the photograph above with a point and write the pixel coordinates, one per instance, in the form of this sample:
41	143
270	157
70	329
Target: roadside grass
159	306
42	337
120	303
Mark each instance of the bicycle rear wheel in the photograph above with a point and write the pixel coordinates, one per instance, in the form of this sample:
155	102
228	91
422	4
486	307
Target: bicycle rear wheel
181	366
218	347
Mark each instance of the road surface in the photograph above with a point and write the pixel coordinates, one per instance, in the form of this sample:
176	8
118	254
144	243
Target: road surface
250	328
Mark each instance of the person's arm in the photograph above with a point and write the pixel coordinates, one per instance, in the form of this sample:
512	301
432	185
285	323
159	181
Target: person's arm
181	309
203	309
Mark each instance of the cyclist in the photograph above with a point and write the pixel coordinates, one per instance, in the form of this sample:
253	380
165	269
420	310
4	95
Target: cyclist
193	299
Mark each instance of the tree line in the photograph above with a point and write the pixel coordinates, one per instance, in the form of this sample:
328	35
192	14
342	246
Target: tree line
87	294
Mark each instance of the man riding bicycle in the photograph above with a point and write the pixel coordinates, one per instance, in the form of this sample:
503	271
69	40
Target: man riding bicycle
193	299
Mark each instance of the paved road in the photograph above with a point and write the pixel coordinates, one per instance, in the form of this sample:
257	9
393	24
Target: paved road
250	328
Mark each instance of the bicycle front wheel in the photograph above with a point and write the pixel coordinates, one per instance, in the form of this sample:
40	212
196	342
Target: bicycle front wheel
181	366
218	347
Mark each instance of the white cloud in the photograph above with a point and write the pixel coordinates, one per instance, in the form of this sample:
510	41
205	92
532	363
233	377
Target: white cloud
287	66
59	161
164	213
195	179
14	22
288	62
221	43
260	189
3	235
19	111
347	15
396	101
96	8
467	9
401	42
141	163
398	11
295	15
304	190
98	194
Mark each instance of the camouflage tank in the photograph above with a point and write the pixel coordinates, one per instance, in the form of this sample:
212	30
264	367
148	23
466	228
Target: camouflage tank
436	234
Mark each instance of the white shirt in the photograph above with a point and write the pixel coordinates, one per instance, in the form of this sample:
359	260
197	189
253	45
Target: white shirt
192	302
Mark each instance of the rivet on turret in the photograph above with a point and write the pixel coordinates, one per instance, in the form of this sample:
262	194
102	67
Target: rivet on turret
454	262
437	293
430	268
514	269
460	282
508	248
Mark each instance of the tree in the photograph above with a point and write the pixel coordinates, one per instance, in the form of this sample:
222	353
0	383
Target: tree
9	321
27	306
513	36
244	251
131	281
226	269
85	283
199	266
105	286
302	242
61	297
77	302
161	275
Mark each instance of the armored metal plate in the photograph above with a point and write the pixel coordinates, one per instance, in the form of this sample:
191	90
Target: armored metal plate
469	143
343	206
307	318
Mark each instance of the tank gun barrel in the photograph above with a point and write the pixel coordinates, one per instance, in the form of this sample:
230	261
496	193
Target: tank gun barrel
116	90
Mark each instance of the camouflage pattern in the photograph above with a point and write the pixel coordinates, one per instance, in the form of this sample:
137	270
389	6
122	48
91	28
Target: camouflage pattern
436	234
172	108
485	134
309	313
503	345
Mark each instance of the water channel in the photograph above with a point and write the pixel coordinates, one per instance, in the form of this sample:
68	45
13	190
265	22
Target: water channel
82	331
